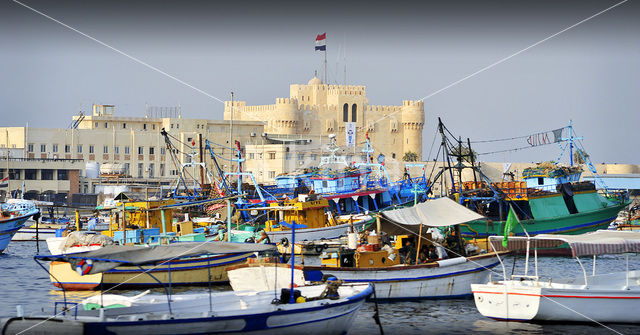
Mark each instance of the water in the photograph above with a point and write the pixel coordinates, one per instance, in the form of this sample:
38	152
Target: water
26	284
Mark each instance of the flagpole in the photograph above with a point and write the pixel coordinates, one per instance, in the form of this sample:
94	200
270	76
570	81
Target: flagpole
8	174
325	62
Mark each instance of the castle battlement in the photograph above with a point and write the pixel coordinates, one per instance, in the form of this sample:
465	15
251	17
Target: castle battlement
283	101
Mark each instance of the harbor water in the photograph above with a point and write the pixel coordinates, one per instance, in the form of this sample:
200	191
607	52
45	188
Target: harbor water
27	284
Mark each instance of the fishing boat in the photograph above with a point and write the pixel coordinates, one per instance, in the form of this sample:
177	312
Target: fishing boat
442	278
550	199
352	187
247	312
13	214
191	271
611	297
310	211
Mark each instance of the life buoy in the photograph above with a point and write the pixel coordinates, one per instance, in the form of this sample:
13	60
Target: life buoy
84	267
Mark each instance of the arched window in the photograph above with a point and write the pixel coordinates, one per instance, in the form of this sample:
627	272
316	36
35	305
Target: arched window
345	113
354	113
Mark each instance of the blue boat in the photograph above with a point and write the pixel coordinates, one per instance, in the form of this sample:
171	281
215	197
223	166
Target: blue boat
13	214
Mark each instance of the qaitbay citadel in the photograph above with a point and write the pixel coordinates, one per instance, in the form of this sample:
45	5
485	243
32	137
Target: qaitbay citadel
317	110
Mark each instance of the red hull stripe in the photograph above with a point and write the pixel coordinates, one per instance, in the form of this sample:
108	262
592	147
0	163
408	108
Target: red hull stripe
559	295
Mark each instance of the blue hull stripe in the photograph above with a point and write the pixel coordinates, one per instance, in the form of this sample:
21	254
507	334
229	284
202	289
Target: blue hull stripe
254	322
364	280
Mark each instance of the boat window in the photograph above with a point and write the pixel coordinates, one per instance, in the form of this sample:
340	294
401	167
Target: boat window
540	180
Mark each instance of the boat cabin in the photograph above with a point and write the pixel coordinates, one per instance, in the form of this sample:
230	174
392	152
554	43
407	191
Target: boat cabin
309	213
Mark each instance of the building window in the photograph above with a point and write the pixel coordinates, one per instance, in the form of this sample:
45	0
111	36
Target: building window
140	170
116	149
126	168
153	126
177	125
106	125
105	149
96	125
140	150
47	174
393	155
67	148
272	155
55	148
300	157
144	126
272	174
63	174
43	148
79	148
251	155
30	174
287	156
124	125
30	147
152	150
314	157
163	151
151	170
126	149
91	149
354	112
345	113
161	170
172	126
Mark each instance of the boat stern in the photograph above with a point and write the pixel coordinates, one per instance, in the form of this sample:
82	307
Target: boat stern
506	302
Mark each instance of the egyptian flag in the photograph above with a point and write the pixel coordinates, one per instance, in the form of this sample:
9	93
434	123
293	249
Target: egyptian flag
321	42
4	182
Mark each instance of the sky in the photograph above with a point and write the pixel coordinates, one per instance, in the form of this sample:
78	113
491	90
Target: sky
399	50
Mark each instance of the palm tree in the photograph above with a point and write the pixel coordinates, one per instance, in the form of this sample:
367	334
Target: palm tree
410	156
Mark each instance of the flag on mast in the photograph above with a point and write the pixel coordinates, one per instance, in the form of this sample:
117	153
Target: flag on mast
321	42
4	182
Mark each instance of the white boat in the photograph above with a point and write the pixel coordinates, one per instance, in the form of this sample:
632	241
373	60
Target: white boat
449	278
611	297
446	278
246	312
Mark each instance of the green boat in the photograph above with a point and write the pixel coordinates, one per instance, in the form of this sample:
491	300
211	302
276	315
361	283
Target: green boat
559	213
550	199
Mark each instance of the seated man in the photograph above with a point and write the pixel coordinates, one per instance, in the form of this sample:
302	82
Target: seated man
408	253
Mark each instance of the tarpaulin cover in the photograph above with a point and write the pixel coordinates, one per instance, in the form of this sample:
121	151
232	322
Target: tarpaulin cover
440	212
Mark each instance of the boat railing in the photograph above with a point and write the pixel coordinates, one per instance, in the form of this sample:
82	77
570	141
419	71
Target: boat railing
64	308
523	277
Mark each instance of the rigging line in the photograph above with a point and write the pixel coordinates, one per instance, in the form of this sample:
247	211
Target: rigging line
119	51
510	56
510	150
512	138
435	135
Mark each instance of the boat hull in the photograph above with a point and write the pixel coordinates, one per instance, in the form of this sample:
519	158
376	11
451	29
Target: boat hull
188	272
527	301
572	224
256	317
449	279
9	227
314	234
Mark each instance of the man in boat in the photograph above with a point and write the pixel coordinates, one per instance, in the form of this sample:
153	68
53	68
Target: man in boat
408	253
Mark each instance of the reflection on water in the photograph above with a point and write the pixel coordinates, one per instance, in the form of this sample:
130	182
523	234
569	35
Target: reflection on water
25	283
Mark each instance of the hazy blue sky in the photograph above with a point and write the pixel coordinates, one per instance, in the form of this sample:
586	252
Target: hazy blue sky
398	50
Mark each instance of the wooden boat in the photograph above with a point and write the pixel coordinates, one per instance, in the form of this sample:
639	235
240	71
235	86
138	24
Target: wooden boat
444	278
245	312
311	213
609	297
196	271
13	214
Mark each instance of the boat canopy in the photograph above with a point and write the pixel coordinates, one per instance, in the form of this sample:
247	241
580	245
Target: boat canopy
595	243
440	212
112	256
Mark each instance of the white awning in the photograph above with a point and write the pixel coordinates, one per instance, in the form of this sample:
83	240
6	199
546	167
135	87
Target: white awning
595	243
440	212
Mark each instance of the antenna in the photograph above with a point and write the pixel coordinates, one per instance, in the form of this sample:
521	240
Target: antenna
344	53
